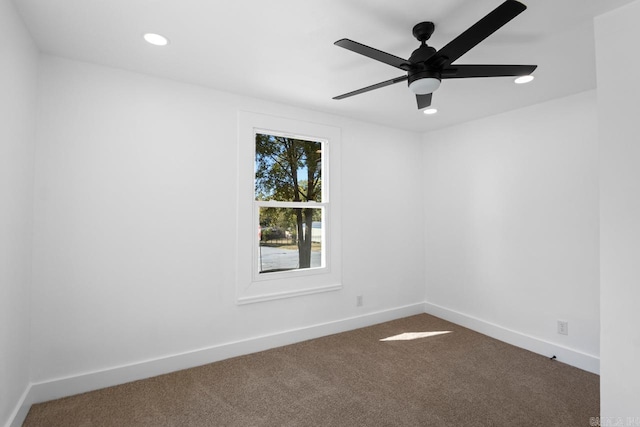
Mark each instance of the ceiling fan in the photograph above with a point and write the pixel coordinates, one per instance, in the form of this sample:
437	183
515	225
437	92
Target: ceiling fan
426	67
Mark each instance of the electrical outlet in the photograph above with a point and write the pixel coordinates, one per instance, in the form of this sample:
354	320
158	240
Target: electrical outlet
359	301
563	327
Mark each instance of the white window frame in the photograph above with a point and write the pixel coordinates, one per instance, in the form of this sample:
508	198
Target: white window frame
251	286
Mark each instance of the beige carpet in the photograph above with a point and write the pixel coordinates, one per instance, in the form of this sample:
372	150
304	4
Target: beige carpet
351	379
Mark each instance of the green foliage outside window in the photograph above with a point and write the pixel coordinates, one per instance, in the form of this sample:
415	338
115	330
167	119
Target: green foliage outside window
289	170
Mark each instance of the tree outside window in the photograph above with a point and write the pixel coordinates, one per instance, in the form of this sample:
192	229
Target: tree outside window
290	205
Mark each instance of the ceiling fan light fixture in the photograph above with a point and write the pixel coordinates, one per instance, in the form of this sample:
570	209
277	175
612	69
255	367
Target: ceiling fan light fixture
430	111
523	79
424	86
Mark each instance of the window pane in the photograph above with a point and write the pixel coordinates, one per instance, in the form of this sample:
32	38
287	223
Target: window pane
285	243
287	169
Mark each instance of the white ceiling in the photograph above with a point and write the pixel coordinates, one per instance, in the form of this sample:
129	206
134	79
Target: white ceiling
282	50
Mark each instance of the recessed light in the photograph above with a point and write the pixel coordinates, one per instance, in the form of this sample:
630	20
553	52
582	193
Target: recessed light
430	111
523	79
156	39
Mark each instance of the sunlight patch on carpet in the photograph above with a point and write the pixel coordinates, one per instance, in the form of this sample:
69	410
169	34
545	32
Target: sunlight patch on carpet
407	336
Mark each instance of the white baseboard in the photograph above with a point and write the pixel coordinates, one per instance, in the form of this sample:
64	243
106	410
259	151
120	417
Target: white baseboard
20	412
81	383
563	354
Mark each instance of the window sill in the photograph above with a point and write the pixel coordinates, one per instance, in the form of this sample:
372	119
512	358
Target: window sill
287	294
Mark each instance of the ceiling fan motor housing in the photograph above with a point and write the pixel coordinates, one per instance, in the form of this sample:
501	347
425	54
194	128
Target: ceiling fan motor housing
423	74
423	78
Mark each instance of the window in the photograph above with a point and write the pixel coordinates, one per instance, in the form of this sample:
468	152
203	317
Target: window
288	208
289	203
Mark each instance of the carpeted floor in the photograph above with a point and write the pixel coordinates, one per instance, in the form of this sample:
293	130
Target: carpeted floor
461	378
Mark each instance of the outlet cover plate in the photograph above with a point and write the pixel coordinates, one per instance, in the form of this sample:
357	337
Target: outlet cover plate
563	327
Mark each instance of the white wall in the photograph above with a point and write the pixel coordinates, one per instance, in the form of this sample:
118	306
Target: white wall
617	35
135	221
511	224
18	80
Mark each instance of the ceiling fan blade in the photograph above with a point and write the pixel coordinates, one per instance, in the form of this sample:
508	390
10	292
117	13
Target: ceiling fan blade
464	71
376	54
424	100
372	87
477	33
